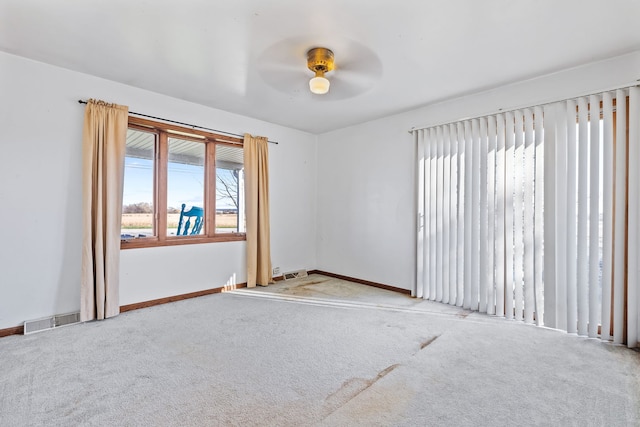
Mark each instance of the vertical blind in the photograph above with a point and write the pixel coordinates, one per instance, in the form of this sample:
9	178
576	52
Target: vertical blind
534	215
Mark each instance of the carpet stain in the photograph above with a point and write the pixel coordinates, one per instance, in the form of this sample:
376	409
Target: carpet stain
308	290
427	342
301	284
385	405
321	288
351	388
314	282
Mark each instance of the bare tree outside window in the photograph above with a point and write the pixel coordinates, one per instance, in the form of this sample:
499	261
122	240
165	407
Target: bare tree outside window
227	188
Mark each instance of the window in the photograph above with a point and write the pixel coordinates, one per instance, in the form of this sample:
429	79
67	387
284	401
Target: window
171	172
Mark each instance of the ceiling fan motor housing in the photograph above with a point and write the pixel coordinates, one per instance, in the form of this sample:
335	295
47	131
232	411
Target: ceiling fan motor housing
320	59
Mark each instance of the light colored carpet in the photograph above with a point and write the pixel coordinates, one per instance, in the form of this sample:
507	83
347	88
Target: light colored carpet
314	351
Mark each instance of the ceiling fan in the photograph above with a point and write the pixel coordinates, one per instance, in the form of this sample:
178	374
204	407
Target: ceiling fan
344	70
320	61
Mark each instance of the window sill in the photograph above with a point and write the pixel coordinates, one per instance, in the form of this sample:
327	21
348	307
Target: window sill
152	242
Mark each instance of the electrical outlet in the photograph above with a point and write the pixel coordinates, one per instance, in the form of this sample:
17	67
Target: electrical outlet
276	271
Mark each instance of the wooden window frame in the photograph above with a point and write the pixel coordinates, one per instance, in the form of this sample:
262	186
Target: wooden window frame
211	141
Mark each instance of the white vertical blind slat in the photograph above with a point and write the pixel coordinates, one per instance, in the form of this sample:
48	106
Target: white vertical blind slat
620	202
607	213
550	219
432	212
446	212
500	216
594	216
453	215
528	227
572	223
439	212
509	215
475	215
583	214
518	220
461	260
483	222
420	246
491	214
559	129
633	293
427	215
468	216
539	183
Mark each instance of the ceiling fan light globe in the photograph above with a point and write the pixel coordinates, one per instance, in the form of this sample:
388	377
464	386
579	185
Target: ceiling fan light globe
319	85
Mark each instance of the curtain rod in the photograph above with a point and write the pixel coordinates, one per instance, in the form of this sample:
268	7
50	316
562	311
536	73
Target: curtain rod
500	110
80	101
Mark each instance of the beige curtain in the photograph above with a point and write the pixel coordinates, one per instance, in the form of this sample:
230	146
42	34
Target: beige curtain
256	166
103	149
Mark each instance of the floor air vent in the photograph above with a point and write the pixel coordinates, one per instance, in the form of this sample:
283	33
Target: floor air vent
31	326
295	274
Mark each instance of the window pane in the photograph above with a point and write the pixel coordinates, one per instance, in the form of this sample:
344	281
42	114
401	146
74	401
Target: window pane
185	187
230	216
137	197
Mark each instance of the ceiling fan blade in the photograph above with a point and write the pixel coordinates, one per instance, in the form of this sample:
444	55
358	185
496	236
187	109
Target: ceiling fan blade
289	82
343	88
283	66
287	54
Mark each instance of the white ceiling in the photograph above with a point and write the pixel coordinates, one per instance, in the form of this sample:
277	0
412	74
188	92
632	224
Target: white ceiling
248	57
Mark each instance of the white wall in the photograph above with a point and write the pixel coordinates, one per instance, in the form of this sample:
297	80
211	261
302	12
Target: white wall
344	204
40	195
366	190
